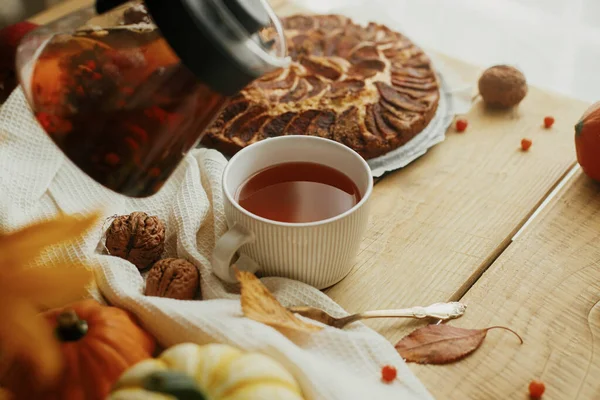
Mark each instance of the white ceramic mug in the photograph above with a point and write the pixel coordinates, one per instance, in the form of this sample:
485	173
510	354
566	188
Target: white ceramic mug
319	253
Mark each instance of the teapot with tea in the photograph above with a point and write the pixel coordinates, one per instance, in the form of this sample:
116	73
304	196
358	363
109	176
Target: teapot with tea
126	89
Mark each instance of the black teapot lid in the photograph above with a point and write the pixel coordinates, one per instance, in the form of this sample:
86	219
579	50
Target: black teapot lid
250	13
217	39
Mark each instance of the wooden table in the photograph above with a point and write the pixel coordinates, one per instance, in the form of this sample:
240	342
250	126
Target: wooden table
442	229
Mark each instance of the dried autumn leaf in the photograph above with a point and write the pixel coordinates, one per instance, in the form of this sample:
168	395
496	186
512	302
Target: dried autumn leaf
33	284
26	244
260	305
24	337
442	344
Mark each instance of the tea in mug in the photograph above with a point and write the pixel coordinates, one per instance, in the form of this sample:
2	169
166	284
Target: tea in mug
298	192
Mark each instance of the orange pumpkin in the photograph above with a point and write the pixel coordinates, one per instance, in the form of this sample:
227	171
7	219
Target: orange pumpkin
587	141
98	343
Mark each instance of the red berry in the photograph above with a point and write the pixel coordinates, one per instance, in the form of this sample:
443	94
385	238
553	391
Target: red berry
112	159
388	373
461	125
536	389
154	172
526	144
548	122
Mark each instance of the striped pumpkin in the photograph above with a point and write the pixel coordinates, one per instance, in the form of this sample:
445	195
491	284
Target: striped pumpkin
210	372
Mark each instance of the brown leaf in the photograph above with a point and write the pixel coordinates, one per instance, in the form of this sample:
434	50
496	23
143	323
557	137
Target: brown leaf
442	344
260	305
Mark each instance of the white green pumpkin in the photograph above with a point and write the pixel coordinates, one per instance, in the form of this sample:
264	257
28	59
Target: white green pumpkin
211	372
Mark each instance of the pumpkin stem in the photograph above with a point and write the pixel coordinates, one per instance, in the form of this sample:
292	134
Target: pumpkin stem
173	383
70	328
579	127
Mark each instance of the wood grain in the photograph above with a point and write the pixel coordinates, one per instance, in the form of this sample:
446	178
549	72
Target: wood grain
439	223
60	10
69	6
546	286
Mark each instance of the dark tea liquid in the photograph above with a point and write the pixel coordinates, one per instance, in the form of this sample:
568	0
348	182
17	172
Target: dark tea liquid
298	192
121	106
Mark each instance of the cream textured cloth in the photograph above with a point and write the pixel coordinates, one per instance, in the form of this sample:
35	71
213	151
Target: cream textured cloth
37	181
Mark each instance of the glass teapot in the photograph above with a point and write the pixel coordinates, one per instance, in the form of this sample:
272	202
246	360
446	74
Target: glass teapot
126	89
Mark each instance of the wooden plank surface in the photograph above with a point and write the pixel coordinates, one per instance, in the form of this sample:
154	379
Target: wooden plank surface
60	10
69	6
546	286
439	223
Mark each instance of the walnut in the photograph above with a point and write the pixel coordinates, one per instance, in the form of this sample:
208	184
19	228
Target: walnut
502	86
174	278
137	237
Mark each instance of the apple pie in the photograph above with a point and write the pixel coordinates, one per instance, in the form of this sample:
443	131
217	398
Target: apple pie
367	87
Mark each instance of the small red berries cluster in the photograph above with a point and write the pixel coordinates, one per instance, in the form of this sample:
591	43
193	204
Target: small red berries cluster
526	143
461	126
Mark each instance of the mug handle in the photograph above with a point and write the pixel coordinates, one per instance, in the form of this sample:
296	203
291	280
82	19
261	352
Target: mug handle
226	249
